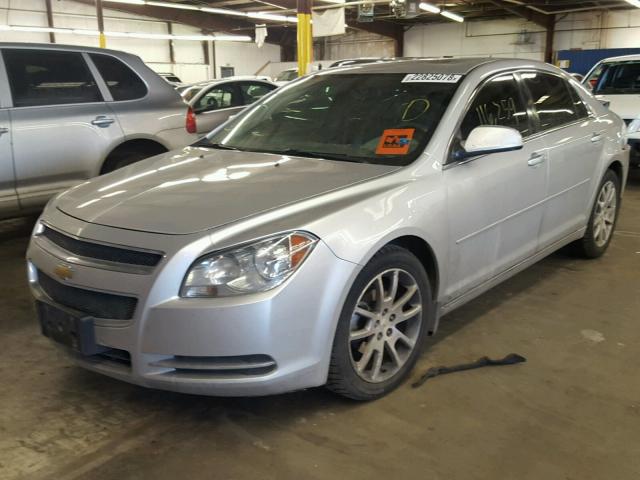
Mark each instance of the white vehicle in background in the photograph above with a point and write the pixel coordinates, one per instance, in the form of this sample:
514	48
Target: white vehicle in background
616	81
286	76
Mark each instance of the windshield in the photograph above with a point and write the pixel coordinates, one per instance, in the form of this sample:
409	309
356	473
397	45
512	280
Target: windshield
287	76
350	117
616	78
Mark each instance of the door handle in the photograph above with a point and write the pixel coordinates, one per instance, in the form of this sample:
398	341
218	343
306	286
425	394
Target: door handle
596	137
4	130
536	159
102	121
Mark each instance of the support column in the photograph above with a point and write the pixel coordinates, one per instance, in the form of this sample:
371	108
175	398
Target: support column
99	14
550	36
305	36
52	36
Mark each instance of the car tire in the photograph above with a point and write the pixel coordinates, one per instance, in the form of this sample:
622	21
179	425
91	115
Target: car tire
355	370
124	159
603	218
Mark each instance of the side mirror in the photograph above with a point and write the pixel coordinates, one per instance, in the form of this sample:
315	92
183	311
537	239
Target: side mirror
490	139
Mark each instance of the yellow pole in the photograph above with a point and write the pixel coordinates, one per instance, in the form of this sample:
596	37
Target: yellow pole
305	36
99	14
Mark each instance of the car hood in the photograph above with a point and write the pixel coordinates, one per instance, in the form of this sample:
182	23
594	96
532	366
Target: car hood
197	189
625	106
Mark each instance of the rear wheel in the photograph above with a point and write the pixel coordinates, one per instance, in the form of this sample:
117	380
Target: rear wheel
602	221
128	154
382	326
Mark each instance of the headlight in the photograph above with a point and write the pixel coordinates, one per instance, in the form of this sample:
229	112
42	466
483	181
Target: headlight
256	267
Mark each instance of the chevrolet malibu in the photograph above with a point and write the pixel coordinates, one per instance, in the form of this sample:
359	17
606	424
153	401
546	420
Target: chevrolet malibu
318	237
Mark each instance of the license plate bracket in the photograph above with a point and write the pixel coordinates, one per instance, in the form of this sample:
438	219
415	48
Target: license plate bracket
68	328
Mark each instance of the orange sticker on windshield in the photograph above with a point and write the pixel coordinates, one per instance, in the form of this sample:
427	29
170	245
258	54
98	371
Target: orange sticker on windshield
395	141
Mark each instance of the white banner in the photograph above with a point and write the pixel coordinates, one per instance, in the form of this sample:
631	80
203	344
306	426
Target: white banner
328	22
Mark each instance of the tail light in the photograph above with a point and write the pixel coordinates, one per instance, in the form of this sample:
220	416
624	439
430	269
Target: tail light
191	121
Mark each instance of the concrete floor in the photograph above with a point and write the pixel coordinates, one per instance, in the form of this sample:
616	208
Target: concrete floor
571	412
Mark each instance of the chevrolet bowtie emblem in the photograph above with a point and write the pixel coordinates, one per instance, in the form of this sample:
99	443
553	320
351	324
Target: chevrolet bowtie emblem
63	272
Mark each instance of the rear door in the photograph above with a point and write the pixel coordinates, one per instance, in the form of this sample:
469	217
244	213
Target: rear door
215	104
61	127
8	198
575	141
495	201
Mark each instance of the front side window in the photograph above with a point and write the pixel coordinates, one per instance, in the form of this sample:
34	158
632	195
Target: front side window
216	98
123	83
552	99
618	78
359	117
49	77
254	91
500	103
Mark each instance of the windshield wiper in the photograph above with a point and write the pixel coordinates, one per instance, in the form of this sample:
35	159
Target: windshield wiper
207	144
322	155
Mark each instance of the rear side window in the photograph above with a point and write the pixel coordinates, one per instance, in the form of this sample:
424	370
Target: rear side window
498	103
552	99
582	111
253	91
49	78
123	83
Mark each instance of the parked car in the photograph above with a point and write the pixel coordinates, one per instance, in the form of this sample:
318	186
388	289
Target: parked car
212	103
319	236
286	76
358	61
69	113
616	81
188	91
171	79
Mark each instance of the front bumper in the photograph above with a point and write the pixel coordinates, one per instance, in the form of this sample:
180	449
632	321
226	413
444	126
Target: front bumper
258	344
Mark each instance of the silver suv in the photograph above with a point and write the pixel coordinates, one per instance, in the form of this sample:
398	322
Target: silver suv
71	113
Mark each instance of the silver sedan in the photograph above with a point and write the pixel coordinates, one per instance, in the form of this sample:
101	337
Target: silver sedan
318	237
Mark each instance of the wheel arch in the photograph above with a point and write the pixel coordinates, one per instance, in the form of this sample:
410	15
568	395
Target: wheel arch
617	168
146	145
424	252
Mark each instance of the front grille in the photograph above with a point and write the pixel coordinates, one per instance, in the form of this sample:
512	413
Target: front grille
99	251
94	304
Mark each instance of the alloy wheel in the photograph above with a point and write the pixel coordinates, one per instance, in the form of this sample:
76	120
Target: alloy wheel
385	325
605	213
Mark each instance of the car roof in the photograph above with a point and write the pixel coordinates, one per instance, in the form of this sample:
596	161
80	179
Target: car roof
621	58
206	83
58	46
461	66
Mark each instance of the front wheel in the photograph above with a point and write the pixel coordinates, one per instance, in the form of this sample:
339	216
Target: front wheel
602	221
381	329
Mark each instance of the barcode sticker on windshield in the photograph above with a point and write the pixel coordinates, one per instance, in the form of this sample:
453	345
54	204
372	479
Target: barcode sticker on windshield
432	78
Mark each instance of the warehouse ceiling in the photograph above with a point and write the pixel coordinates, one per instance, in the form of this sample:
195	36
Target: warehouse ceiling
386	21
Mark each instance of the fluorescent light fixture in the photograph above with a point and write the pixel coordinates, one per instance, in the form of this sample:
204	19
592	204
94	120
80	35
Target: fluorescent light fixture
272	16
427	7
635	3
218	11
223	11
130	2
149	36
178	6
452	16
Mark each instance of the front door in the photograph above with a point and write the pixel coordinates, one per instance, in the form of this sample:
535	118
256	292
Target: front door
8	198
61	127
495	201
